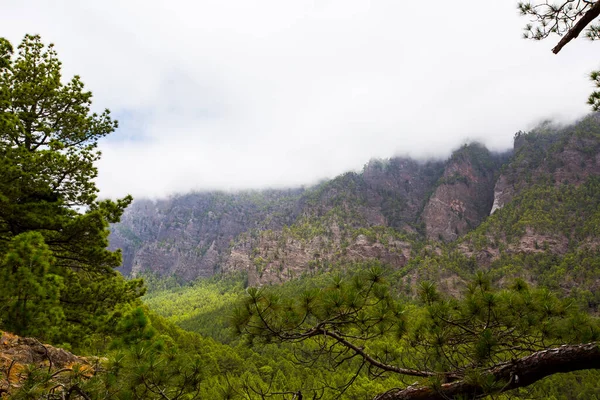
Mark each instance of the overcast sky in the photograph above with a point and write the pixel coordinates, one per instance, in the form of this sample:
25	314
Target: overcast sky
250	93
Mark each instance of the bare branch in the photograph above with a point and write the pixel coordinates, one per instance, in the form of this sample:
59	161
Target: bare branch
587	18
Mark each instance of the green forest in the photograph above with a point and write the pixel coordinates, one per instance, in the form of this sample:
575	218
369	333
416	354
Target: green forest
444	325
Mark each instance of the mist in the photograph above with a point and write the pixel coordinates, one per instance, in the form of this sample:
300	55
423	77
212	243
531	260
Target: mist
232	94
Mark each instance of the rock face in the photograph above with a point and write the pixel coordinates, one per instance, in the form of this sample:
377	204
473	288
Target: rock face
388	193
503	193
399	188
275	257
276	235
189	235
539	185
464	195
24	350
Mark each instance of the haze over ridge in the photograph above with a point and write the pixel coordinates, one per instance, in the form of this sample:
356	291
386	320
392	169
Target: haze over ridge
228	94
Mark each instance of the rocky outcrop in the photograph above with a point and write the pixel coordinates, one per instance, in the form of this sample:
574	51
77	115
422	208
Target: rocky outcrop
274	257
551	155
19	356
529	242
22	350
399	189
503	193
464	195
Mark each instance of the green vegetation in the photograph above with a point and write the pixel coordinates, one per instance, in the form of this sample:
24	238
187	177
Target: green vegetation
462	341
568	211
201	306
395	325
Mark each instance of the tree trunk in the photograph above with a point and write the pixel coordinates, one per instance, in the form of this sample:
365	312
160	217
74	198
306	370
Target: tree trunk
510	375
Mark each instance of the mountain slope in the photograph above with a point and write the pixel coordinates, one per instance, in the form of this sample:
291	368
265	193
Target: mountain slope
188	235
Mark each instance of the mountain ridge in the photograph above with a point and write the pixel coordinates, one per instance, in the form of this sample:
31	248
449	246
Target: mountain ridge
386	212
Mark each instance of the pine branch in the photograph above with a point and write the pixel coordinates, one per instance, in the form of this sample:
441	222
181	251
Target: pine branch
514	374
588	17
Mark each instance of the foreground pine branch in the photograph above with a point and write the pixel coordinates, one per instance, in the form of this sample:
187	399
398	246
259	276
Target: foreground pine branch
487	341
511	375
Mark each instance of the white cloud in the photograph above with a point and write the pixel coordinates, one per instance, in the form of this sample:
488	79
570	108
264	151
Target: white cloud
233	93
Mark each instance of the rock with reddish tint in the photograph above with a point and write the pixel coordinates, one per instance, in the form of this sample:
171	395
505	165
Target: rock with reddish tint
464	195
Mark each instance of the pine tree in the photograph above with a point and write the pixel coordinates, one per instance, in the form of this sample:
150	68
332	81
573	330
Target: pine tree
48	147
29	293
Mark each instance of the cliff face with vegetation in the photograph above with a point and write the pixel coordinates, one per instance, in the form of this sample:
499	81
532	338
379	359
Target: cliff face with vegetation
200	234
550	155
388	212
354	217
189	235
464	195
545	197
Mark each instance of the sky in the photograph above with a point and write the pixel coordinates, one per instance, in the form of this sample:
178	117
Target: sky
239	94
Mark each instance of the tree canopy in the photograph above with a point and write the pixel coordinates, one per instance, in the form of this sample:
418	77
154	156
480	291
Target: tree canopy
53	227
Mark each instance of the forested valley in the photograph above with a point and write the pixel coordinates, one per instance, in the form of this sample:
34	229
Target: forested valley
476	276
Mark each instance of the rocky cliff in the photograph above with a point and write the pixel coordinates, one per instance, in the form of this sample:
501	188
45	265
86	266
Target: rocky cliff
277	256
200	234
547	198
464	195
189	235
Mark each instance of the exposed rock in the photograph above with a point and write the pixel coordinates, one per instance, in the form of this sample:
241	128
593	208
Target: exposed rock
198	235
395	253
503	193
464	195
399	189
529	242
190	235
19	354
25	350
534	242
274	257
